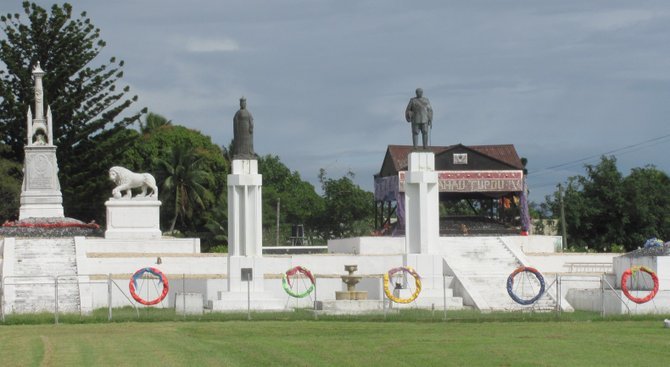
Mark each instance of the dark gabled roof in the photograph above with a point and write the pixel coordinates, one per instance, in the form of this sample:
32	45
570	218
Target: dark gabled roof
396	156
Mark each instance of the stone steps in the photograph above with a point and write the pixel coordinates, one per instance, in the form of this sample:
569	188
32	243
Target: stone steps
486	264
39	261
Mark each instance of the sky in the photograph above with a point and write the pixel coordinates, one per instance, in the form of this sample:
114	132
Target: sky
328	81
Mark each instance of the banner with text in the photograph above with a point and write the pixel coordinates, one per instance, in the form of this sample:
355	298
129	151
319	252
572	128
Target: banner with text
474	181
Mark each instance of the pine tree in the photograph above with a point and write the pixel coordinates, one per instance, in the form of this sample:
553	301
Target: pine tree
88	110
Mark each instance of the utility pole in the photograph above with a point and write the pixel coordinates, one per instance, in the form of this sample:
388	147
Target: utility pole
563	230
278	205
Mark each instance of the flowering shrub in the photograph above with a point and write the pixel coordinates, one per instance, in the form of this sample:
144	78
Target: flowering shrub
46	223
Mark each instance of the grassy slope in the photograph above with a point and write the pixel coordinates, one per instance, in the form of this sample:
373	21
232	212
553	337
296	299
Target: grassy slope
336	343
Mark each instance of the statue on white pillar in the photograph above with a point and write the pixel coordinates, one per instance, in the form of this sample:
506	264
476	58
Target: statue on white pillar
243	133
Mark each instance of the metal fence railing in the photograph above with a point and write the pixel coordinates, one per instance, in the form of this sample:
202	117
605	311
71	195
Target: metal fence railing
105	295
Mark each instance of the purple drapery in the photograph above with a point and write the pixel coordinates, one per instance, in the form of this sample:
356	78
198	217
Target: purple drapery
386	188
400	213
523	203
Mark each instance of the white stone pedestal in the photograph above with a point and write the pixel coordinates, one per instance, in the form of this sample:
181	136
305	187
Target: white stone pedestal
245	242
245	231
40	194
133	219
242	294
435	287
422	205
235	265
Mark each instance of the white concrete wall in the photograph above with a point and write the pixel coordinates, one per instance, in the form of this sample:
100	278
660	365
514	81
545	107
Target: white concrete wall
164	245
205	274
556	262
659	264
367	245
616	303
396	245
535	244
8	260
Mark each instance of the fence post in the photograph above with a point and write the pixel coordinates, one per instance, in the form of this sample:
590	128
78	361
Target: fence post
602	295
316	316
56	300
183	293
384	304
560	293
109	297
248	300
444	294
2	298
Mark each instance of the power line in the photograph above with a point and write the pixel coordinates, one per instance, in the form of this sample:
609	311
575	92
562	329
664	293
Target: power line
552	168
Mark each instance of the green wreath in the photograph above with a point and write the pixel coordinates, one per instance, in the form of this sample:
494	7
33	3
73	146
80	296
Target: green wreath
286	282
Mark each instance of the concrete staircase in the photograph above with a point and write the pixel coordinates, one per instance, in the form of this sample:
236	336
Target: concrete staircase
482	266
435	292
37	262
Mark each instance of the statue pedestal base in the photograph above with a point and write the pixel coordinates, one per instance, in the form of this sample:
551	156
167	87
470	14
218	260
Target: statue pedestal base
235	266
243	293
245	231
40	193
422	205
137	218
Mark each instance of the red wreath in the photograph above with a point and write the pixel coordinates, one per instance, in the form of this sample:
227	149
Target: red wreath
161	278
624	279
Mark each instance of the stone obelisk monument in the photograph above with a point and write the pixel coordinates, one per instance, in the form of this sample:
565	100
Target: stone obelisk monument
40	194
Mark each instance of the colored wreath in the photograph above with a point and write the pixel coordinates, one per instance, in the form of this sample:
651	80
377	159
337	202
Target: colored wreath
417	282
161	279
286	281
624	287
510	285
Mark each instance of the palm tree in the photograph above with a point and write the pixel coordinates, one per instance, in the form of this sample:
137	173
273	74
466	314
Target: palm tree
184	182
152	122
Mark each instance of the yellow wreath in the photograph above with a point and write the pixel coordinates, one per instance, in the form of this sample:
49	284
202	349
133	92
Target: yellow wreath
417	282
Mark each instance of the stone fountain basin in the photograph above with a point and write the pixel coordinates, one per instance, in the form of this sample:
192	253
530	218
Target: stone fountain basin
351	295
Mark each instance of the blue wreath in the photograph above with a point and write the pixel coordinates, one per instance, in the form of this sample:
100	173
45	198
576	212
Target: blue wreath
138	274
510	285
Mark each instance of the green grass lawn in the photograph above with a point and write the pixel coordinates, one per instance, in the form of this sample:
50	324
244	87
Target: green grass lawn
642	342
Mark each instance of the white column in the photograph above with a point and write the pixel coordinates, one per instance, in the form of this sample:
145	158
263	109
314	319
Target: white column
245	242
245	231
422	207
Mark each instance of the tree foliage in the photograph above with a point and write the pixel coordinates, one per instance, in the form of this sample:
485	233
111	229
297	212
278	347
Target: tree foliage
184	180
152	122
299	202
348	211
604	209
185	159
10	186
647	194
344	209
86	106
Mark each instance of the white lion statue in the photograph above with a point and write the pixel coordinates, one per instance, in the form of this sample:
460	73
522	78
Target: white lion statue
126	180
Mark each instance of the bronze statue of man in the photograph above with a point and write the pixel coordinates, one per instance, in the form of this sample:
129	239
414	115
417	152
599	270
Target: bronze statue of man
420	114
243	133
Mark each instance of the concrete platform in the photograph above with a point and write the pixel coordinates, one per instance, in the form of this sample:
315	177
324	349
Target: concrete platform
349	307
238	301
